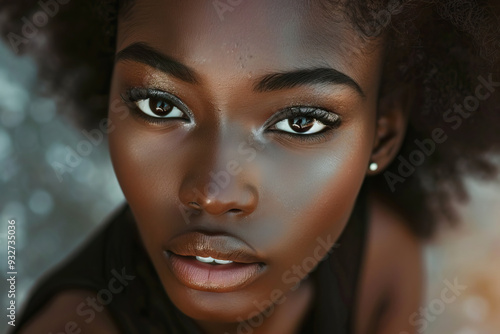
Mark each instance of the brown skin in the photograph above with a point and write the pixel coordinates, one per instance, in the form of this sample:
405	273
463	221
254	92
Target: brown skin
288	191
392	274
284	195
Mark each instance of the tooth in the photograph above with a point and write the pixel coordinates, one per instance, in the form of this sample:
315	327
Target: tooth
205	259
210	259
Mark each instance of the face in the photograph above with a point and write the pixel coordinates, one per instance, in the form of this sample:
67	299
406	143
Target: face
247	136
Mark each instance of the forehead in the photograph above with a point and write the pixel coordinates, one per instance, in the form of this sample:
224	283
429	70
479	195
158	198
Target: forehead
248	35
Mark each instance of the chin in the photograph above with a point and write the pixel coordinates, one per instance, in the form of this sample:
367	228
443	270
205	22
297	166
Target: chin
228	307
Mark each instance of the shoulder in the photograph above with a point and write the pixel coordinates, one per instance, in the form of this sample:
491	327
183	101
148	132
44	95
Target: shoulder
392	275
77	310
71	311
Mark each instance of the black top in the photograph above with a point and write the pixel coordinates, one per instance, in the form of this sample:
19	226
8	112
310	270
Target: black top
142	306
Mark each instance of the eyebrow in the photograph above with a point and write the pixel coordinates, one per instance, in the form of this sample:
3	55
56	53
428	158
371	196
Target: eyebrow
143	53
321	75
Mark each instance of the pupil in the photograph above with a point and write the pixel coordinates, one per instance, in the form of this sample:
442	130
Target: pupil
301	124
159	107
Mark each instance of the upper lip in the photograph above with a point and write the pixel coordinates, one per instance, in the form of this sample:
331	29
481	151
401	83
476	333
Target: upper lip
218	246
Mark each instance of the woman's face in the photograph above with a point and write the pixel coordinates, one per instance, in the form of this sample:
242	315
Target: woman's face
248	136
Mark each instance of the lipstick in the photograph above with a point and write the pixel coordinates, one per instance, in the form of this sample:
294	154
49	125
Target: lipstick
212	262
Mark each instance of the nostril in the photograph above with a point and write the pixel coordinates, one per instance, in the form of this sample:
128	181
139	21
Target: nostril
232	200
194	205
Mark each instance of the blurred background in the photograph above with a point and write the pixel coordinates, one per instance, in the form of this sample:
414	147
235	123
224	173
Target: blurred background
56	208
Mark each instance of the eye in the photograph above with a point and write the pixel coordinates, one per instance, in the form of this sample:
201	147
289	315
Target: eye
304	121
301	125
159	108
155	106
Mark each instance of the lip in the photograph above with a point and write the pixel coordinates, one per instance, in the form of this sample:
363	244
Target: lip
181	251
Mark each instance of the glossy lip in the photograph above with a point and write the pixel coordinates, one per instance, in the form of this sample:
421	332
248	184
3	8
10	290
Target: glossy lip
180	254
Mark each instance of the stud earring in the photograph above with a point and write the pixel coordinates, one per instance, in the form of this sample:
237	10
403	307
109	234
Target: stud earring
373	166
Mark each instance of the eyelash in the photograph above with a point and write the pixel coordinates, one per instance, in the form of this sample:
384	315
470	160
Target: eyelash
329	119
133	95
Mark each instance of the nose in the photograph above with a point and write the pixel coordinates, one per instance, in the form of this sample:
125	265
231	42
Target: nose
217	200
218	182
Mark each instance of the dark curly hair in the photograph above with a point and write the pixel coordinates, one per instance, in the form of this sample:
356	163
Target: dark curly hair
443	49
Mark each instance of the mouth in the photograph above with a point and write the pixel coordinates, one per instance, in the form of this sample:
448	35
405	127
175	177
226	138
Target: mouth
213	263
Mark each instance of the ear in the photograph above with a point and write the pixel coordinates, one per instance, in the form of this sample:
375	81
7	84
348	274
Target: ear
392	120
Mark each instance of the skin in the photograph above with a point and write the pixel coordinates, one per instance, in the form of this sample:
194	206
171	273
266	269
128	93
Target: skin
272	210
288	191
391	276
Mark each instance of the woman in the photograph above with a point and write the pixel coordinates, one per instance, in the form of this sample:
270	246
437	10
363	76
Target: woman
244	136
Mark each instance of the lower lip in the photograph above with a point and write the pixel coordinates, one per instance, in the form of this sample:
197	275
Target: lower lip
212	278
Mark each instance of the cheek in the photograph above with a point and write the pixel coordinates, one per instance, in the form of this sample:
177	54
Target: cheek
147	168
133	155
312	197
304	196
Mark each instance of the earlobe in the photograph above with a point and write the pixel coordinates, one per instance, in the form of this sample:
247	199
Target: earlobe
392	120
